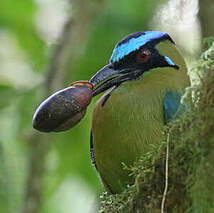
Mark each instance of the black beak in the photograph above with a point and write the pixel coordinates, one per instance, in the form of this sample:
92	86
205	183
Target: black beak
108	77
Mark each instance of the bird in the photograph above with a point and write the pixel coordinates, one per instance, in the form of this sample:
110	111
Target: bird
143	82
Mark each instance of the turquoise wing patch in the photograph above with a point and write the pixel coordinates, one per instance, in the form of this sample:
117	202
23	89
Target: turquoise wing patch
171	104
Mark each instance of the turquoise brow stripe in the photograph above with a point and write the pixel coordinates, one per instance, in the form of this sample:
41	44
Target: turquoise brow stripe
134	44
169	61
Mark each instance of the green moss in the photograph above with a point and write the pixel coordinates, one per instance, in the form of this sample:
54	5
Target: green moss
191	157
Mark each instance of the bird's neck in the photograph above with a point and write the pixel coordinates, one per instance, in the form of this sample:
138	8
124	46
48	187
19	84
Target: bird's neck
156	81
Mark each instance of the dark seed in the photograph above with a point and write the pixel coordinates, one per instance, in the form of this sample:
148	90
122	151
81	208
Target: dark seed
64	109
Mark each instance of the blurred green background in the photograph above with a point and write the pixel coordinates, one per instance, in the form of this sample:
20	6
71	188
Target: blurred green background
44	46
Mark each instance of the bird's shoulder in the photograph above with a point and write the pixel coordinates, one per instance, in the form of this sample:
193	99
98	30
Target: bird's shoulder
172	105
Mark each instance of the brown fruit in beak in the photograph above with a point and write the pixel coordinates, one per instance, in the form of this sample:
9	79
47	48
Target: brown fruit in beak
64	109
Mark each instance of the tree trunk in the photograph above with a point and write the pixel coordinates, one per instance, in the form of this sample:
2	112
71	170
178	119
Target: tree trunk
206	14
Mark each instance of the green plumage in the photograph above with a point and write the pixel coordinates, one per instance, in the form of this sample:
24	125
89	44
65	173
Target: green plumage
132	119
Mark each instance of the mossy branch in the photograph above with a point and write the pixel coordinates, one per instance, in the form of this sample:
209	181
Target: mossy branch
191	157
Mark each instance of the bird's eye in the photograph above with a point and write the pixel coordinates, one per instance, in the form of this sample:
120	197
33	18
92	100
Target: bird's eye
144	55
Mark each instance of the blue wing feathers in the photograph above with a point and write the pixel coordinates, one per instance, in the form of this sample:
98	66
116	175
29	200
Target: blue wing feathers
171	104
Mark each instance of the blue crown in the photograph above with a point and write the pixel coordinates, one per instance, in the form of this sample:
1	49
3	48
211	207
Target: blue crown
133	42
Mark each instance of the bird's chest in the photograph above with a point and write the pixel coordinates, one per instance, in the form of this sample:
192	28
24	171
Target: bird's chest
125	127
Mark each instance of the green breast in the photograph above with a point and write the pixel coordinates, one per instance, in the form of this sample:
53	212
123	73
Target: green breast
129	124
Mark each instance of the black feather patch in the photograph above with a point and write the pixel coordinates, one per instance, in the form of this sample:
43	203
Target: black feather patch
105	98
92	150
127	38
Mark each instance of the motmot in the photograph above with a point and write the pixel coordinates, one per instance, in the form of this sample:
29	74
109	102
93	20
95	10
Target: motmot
144	81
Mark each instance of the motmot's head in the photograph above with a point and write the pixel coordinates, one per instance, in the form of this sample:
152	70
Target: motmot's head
135	55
